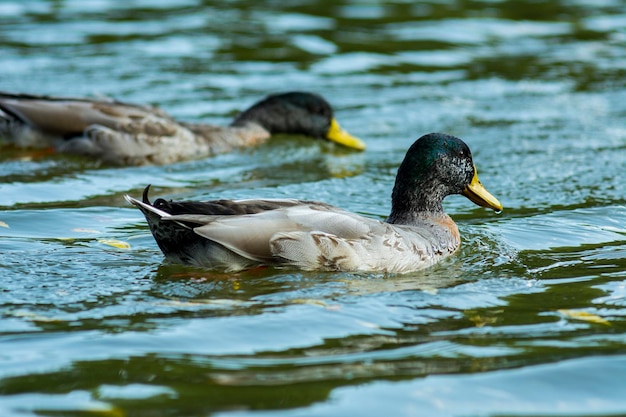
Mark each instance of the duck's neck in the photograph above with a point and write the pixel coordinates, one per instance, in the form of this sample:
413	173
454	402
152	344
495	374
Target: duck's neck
211	140
247	134
436	227
410	202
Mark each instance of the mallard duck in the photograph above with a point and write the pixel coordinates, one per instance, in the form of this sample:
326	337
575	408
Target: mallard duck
311	235
128	134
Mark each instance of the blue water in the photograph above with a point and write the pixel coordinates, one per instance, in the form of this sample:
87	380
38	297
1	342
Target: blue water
527	319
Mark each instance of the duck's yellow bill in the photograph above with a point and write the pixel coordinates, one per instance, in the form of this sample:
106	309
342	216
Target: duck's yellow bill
338	135
479	195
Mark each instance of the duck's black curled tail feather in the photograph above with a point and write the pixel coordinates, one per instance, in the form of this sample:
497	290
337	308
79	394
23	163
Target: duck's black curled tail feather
144	196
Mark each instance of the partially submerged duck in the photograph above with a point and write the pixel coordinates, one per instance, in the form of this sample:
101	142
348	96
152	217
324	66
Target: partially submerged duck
127	134
238	234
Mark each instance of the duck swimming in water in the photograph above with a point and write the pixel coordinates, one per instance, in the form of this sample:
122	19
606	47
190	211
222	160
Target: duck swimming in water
127	134
238	234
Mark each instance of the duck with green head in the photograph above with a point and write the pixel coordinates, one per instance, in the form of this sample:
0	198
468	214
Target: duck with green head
238	234
128	134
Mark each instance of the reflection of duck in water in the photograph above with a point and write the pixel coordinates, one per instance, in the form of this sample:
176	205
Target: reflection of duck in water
239	234
128	134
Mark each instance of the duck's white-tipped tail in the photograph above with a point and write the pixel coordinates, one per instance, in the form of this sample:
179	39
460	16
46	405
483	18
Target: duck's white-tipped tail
145	207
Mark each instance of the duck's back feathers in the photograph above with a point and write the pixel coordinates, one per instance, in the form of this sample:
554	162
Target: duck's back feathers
71	115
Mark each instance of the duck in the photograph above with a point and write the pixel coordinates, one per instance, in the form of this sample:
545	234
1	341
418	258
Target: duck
233	235
120	133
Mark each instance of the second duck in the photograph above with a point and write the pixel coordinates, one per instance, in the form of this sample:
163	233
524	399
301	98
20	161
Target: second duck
128	134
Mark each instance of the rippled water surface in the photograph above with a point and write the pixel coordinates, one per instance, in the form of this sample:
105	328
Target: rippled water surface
529	318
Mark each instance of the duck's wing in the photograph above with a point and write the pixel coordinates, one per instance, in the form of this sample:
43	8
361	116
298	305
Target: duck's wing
68	117
242	227
263	235
113	131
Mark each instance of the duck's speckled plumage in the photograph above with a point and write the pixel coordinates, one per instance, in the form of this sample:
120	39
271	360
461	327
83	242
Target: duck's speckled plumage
128	134
239	234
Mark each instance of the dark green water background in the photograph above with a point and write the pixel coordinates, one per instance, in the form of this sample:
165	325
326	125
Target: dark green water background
529	318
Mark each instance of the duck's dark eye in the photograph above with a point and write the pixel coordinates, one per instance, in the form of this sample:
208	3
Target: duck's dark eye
462	153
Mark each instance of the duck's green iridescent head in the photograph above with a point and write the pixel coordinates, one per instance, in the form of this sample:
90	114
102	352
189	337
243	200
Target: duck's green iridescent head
435	166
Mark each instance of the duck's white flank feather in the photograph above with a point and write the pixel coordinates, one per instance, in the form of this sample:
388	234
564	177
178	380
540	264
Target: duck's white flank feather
313	238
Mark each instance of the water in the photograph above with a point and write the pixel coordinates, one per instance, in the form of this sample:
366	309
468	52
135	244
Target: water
527	319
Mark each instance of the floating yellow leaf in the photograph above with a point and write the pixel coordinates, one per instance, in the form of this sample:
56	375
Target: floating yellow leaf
483	318
584	316
105	411
115	243
3	224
